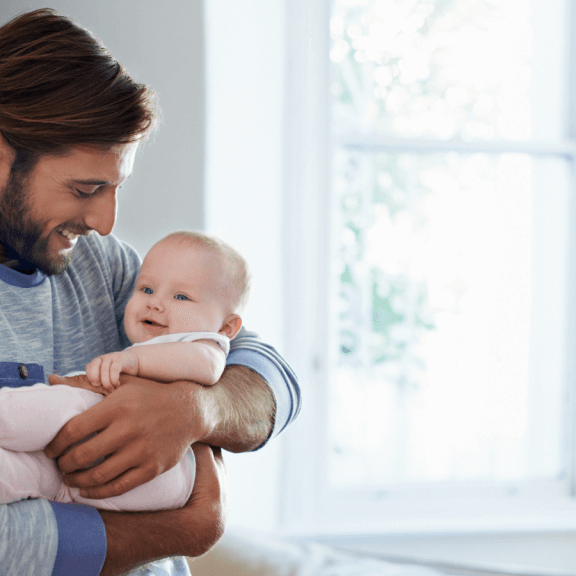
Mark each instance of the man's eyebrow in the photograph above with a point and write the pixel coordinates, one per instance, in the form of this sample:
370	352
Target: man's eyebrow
94	181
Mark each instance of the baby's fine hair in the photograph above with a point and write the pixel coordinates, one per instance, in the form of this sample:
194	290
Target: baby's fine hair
235	264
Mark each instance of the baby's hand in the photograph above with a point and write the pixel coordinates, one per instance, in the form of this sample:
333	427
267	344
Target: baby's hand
105	370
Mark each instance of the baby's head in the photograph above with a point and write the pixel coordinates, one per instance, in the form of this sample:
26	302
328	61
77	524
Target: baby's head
189	282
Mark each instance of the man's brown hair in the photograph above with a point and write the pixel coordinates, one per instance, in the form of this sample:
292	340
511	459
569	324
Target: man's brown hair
60	87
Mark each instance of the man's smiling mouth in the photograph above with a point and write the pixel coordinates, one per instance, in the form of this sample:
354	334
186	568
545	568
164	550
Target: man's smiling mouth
66	233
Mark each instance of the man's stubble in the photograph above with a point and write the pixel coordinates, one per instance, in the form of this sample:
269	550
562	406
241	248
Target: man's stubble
21	235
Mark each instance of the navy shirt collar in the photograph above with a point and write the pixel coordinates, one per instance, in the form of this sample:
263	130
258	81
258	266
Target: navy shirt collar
19	279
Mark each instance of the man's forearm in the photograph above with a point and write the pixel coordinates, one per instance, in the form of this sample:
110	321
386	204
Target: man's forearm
243	410
140	537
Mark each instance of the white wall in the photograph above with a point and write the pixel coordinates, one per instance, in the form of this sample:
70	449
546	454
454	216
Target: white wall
245	67
160	44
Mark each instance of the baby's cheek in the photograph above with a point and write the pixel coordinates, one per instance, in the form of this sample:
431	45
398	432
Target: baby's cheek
130	326
186	318
131	310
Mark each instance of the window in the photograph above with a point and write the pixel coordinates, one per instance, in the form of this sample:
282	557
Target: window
430	186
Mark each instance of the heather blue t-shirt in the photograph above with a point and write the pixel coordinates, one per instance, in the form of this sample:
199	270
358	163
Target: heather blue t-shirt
57	324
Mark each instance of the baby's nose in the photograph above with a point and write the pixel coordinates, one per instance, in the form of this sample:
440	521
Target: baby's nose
155	303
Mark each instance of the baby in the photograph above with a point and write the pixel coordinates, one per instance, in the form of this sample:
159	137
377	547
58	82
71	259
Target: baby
180	320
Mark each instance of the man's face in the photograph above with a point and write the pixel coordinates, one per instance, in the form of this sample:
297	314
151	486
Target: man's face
42	214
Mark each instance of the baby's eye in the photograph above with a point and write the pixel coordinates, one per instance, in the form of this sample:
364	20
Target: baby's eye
181	297
147	290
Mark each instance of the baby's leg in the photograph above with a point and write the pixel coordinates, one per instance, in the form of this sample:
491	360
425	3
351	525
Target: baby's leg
31	416
169	490
27	474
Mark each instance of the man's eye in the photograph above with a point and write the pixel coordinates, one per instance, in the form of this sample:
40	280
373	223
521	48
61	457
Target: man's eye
82	194
181	297
147	290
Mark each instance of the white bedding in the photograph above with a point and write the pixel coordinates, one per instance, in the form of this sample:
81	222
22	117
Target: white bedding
242	555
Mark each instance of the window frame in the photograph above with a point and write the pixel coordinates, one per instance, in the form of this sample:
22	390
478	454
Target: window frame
307	507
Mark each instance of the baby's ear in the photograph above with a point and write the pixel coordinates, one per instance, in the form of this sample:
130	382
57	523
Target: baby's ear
231	325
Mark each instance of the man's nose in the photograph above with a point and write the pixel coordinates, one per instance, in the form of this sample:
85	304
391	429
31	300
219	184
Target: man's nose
101	212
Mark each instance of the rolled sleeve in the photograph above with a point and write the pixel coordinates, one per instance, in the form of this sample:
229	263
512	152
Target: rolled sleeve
248	350
81	540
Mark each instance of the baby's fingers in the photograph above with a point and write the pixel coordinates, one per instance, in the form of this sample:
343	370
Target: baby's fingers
105	373
93	371
115	370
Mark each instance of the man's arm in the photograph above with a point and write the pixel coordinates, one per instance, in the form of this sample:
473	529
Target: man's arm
88	538
146	427
245	410
136	538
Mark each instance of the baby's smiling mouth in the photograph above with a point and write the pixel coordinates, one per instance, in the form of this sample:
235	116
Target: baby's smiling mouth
152	326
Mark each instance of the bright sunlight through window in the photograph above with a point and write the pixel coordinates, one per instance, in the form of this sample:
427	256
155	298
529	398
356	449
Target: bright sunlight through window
449	275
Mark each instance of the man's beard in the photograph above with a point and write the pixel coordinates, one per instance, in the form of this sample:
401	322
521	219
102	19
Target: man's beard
21	235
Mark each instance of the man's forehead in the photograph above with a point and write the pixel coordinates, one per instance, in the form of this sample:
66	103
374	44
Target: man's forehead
91	166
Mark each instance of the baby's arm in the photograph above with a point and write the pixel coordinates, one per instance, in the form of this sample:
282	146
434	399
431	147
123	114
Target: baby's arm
201	361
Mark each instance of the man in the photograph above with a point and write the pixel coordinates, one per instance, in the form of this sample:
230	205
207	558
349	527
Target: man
70	123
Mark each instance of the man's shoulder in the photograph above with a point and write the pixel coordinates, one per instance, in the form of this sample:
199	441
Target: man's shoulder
108	251
110	244
99	261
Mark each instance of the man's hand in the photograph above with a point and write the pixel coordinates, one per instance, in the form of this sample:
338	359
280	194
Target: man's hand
135	538
78	381
144	428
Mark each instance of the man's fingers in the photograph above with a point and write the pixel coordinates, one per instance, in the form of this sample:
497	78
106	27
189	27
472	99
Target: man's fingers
120	460
78	381
210	478
54	379
97	447
92	420
209	465
120	485
115	476
207	456
202	452
210	484
215	453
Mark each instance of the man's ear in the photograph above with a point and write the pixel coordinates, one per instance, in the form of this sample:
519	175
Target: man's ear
231	325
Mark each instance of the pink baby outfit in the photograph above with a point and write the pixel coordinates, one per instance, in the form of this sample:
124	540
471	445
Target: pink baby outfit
31	416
